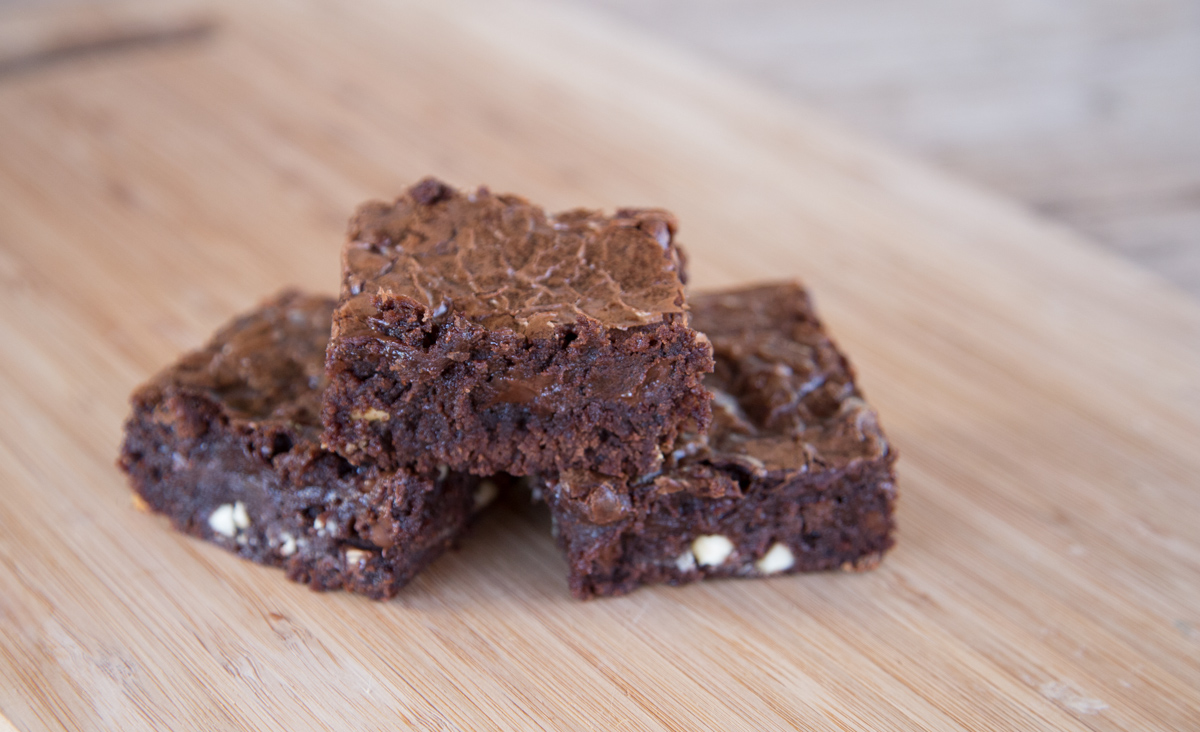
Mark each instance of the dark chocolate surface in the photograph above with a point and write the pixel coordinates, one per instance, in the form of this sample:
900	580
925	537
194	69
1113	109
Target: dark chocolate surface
226	443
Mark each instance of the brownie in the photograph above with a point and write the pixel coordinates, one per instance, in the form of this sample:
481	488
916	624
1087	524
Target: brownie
477	332
227	444
795	474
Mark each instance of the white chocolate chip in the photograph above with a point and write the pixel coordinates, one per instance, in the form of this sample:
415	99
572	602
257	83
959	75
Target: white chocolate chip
777	559
139	503
484	495
371	415
356	557
685	562
287	544
241	519
712	550
221	520
443	471
319	523
663	234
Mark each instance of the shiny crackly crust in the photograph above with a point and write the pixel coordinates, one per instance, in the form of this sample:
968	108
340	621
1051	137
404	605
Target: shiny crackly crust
501	262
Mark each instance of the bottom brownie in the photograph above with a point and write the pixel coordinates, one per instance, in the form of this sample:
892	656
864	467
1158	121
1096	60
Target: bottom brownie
794	476
226	443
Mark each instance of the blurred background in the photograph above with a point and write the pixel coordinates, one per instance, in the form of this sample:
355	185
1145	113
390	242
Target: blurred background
1087	111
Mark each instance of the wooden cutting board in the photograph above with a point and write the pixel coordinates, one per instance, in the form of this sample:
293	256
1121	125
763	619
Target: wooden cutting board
160	173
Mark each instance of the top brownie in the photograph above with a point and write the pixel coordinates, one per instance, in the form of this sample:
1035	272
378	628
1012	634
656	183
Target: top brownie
477	332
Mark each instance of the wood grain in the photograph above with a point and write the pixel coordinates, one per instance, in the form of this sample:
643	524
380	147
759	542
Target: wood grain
1045	400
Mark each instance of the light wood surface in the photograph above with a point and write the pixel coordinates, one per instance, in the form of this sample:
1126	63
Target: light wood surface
1086	111
1044	397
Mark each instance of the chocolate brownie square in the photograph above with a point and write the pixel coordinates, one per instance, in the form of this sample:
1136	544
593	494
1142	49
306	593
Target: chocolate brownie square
226	443
477	332
794	476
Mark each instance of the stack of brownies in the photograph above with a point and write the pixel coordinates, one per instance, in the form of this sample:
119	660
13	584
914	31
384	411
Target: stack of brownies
479	343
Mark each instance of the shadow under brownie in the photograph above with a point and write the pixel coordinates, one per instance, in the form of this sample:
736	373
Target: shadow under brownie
475	331
795	474
226	443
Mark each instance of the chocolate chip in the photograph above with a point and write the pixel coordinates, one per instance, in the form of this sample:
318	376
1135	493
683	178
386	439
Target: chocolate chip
429	191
